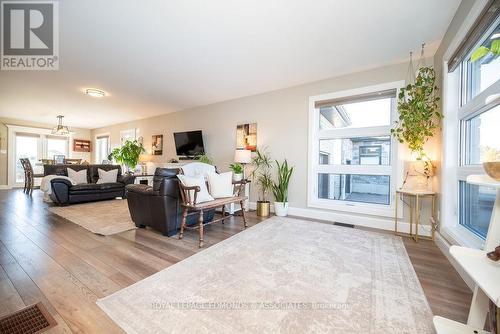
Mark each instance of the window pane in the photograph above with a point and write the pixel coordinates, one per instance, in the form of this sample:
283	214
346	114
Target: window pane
57	146
102	149
482	141
476	206
357	114
484	71
354	187
355	151
26	147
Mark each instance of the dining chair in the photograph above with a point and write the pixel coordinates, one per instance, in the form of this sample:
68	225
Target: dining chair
30	176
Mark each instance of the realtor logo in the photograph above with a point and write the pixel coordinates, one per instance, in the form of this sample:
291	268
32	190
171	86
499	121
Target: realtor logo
29	35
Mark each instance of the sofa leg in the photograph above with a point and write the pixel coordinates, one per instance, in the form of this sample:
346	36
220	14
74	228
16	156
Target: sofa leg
183	222
200	227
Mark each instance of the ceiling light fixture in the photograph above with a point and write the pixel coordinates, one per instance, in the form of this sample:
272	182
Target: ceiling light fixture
95	92
60	129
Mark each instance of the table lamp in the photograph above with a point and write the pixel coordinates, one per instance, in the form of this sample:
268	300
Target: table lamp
243	157
144	159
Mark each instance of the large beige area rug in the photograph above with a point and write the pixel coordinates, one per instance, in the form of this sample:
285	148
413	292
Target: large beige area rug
281	276
104	218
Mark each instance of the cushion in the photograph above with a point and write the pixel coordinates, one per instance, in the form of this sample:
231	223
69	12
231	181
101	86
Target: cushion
80	177
107	177
188	181
220	185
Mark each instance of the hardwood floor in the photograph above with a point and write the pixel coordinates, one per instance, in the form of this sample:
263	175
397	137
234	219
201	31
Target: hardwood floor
46	258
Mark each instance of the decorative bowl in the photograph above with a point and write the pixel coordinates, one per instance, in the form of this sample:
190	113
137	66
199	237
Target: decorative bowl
492	168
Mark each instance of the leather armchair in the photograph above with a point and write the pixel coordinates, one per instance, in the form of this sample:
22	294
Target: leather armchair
159	206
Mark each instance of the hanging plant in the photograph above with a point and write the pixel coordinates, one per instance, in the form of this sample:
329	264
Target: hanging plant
419	116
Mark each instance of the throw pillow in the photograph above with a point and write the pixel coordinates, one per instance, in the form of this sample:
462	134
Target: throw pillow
107	176
78	176
220	185
188	181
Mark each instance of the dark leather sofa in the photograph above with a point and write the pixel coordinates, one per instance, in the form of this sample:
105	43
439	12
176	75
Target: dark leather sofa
159	206
63	192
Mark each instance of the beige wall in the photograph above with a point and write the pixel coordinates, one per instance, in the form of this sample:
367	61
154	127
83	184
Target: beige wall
79	133
282	123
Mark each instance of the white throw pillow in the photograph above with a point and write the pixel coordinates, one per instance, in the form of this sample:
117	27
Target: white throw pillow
188	181
220	185
79	177
107	176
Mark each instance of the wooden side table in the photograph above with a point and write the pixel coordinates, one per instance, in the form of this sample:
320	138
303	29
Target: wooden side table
416	197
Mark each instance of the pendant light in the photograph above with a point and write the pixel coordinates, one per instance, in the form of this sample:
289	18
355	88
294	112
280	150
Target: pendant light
60	129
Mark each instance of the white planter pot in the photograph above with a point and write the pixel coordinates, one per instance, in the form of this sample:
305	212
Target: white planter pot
281	209
237	177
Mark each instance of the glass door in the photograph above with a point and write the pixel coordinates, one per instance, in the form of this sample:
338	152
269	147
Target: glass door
27	146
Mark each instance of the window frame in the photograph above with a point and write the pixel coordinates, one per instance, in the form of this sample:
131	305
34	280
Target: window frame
393	170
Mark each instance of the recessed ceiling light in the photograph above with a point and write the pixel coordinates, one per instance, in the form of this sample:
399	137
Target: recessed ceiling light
95	92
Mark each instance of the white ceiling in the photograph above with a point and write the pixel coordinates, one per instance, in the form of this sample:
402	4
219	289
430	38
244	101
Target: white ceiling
154	56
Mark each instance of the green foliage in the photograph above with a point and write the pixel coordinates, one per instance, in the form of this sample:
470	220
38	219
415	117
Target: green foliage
236	168
482	51
261	173
205	159
419	116
128	154
280	188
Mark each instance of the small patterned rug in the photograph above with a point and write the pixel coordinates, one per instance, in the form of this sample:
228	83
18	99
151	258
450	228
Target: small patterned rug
281	276
104	218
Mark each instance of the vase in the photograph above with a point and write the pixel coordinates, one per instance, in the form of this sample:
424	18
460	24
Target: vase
263	209
281	209
237	177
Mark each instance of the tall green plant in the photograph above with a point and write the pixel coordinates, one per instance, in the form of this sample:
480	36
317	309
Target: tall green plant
419	116
280	188
261	173
128	154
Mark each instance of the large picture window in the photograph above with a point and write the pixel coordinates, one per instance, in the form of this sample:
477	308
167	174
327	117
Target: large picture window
351	150
471	135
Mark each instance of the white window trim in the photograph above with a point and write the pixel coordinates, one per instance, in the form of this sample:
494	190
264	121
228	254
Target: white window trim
314	167
11	151
451	173
106	134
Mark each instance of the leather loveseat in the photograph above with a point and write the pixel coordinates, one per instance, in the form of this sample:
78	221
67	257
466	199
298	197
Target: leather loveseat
63	192
159	206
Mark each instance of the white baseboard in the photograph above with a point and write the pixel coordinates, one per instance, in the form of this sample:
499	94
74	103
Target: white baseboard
383	223
444	246
5	187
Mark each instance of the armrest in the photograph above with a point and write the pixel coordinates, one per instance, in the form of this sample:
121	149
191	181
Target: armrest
186	191
127	179
141	189
61	181
60	190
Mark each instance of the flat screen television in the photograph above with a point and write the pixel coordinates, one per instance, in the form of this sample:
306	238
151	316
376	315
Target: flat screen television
189	144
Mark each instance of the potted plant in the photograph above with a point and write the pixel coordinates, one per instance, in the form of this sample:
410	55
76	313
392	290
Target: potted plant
261	175
419	116
237	169
128	154
280	188
204	158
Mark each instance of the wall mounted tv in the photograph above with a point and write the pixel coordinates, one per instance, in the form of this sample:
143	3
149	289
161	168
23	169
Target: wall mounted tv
189	144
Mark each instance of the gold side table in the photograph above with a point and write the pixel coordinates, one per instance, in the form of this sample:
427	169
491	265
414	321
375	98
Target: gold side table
414	203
